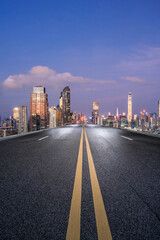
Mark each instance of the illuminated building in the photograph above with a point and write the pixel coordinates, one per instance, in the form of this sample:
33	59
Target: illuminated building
59	116
52	117
135	122
65	106
135	117
144	120
123	120
153	120
8	123
16	116
39	114
83	119
16	113
95	113
79	118
117	115
129	117
100	120
23	120
109	120
61	101
74	118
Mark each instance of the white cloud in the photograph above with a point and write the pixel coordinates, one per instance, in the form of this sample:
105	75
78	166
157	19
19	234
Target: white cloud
134	79
42	75
139	80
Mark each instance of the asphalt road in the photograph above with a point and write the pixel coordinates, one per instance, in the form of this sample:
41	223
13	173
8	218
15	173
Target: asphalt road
40	179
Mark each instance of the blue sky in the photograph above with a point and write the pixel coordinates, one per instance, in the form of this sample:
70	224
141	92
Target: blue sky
108	48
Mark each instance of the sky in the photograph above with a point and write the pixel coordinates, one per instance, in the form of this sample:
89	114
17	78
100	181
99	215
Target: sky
102	49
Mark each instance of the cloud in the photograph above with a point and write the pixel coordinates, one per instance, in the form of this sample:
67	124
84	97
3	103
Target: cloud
106	81
134	79
139	80
144	59
42	75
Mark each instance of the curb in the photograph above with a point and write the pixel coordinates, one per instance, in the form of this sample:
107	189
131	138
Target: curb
143	133
22	134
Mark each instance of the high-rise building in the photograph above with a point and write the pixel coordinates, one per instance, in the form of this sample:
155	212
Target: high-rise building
61	101
135	117
39	114
59	116
23	120
52	117
95	112
129	117
123	120
65	105
117	115
100	120
16	116
144	119
16	113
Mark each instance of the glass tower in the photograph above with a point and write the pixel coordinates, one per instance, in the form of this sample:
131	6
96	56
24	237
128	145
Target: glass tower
39	114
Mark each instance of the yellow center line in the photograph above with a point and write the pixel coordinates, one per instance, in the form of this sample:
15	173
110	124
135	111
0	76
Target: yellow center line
103	228
74	223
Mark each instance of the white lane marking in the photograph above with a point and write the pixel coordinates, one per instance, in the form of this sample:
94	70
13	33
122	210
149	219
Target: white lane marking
42	138
127	138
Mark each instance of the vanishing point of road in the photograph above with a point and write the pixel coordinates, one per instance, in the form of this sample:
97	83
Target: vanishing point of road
80	182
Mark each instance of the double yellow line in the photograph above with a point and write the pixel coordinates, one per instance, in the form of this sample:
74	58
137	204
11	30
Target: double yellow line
74	223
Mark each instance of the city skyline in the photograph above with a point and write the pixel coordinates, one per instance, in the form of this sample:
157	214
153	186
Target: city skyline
60	103
102	50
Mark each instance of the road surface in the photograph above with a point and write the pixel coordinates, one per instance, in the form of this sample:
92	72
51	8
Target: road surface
80	182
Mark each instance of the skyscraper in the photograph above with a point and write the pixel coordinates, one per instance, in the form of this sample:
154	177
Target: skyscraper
65	105
52	117
39	114
117	115
16	116
23	120
59	116
129	117
95	112
16	113
61	101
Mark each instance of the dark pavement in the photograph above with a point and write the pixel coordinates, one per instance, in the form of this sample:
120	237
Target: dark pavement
37	178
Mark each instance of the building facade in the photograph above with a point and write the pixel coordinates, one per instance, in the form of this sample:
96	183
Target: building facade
39	113
16	116
95	113
59	116
129	116
65	106
16	113
52	117
23	120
